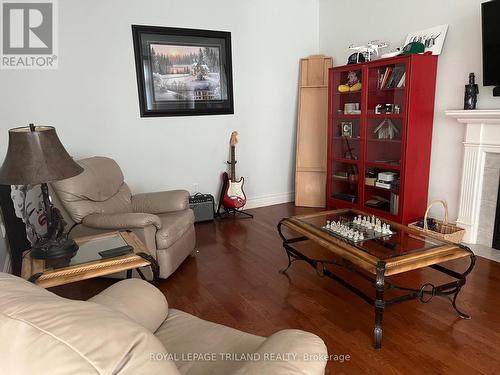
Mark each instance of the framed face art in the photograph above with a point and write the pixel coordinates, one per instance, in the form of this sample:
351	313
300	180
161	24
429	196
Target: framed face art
183	72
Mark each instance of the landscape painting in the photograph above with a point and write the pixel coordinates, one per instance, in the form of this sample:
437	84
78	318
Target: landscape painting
183	73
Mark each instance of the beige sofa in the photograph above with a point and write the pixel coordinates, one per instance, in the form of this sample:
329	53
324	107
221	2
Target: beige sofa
98	200
129	329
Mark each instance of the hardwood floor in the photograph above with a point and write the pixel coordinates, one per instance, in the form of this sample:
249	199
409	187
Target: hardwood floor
234	280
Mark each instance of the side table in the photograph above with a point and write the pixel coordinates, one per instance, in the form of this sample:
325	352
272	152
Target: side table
87	263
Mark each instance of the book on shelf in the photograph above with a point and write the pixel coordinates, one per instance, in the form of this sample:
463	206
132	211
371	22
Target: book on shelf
394	204
383	184
402	80
385	77
396	75
345	197
376	201
391	77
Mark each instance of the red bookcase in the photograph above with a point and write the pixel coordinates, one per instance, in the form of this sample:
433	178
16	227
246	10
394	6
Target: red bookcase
381	132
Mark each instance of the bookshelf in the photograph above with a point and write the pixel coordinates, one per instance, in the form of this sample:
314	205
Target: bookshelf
379	138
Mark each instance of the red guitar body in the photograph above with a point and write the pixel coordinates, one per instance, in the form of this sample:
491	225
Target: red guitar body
234	196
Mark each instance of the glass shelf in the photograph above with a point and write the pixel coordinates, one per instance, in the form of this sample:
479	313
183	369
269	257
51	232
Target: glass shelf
373	115
385	140
383	166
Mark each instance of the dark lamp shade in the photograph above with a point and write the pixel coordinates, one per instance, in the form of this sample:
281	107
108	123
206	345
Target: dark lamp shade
35	156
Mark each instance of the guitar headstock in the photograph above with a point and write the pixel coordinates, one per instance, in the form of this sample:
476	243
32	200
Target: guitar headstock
234	139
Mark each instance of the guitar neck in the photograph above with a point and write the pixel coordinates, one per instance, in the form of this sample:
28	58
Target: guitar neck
233	164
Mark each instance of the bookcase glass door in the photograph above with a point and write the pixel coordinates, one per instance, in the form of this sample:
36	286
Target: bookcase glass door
344	184
385	130
387	90
347	134
347	95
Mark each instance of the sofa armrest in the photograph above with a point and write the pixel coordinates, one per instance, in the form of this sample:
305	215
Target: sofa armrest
121	221
290	351
161	202
138	300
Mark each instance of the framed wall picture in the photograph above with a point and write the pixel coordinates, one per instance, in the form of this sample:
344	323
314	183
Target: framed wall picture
183	72
432	38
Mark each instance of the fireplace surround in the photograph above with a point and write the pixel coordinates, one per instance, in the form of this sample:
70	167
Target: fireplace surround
480	174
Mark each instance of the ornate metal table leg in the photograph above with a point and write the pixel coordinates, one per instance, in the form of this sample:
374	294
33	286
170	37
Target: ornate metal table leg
379	305
454	304
155	268
33	279
289	262
469	270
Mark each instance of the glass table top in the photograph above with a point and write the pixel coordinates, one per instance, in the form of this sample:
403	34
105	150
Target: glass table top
89	251
400	242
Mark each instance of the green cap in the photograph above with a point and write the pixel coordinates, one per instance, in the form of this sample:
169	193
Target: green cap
413	47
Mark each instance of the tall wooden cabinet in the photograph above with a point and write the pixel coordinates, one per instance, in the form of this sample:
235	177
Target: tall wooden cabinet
379	136
310	175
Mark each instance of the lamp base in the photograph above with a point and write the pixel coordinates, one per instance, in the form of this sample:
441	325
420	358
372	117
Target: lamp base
62	248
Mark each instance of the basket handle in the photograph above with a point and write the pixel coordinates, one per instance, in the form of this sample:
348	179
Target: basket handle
445	221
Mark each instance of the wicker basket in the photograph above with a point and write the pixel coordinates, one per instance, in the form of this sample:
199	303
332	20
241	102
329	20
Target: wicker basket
444	230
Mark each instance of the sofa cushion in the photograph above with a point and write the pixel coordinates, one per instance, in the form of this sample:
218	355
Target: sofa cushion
173	226
42	333
185	333
142	302
99	189
289	352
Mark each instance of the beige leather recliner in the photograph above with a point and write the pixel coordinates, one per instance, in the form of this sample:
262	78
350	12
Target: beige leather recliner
98	200
129	329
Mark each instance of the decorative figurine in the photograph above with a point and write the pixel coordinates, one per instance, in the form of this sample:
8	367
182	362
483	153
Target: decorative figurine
471	92
353	84
386	130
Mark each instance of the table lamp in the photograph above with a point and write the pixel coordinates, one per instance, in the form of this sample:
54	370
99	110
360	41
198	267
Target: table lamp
36	156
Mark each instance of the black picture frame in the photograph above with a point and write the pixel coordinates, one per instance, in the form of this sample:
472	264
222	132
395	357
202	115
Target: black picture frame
184	88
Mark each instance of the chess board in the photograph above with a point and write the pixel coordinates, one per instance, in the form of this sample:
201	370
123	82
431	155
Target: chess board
358	230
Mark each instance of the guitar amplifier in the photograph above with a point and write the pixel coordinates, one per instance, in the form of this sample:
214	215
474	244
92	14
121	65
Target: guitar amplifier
203	206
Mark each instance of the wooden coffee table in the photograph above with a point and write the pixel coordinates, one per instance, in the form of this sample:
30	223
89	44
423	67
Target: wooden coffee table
375	259
87	263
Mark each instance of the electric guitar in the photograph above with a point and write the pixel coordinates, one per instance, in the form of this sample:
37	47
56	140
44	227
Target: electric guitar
233	194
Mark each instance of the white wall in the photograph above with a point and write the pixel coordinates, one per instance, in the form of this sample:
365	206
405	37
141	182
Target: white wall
357	21
92	98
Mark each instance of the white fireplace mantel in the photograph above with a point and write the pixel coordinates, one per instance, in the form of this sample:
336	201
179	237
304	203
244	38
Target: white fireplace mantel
482	136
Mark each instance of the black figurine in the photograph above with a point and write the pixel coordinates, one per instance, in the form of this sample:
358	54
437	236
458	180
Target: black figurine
471	91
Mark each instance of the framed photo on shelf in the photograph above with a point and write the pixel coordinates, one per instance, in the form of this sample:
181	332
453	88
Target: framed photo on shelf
346	129
183	72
